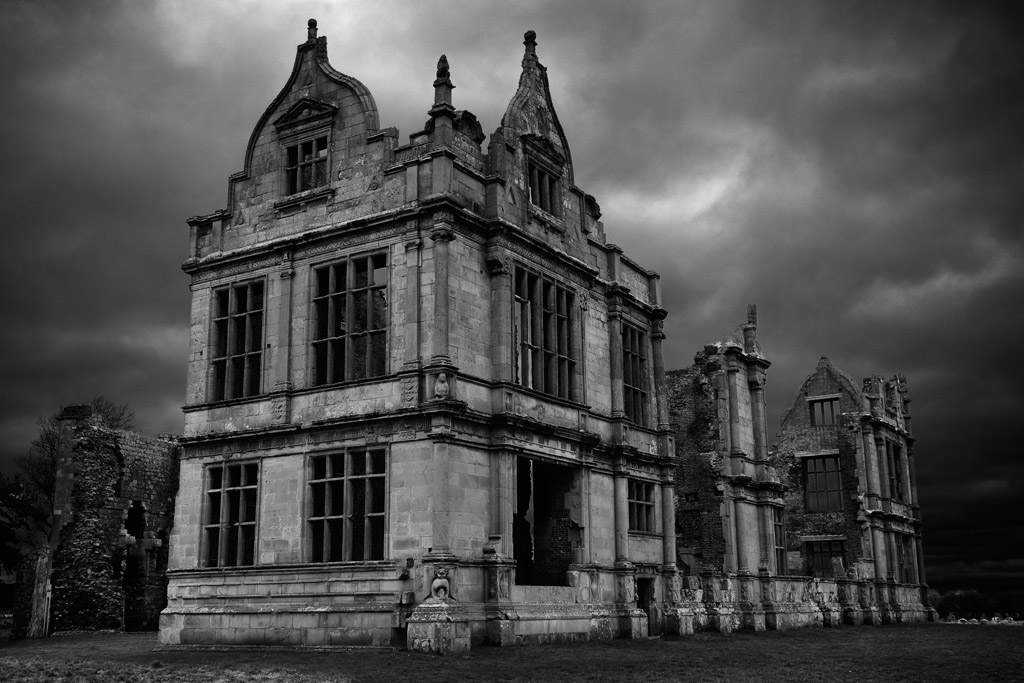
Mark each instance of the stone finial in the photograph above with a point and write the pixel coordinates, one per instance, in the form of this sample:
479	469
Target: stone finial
443	85
530	41
752	314
311	29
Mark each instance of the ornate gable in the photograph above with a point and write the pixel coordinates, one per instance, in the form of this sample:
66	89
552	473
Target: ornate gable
305	114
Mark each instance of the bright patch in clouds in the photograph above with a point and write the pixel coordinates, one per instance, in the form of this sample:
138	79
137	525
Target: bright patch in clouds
886	298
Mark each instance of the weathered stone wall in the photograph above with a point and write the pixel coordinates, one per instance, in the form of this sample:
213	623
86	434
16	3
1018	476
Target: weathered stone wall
700	538
800	438
110	561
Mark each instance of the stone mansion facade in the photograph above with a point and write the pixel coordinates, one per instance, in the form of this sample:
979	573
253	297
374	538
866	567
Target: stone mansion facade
427	405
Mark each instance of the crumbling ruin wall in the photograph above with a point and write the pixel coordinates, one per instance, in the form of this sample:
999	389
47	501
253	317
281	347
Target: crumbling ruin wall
146	500
87	593
799	435
700	539
110	562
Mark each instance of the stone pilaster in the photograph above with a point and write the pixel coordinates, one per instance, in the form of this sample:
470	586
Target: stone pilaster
442	235
282	357
621	519
413	245
658	359
502	352
668	526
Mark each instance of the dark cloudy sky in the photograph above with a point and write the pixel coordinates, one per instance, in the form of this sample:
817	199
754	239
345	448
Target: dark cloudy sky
854	168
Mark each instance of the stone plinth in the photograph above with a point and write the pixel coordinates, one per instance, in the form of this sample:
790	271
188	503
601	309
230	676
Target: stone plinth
440	627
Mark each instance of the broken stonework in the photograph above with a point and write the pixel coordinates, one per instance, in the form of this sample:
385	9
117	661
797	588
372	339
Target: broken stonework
106	566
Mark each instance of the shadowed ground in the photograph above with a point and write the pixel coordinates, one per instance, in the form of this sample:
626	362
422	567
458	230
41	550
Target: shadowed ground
912	652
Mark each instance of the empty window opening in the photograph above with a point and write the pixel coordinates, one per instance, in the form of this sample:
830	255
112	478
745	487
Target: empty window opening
306	165
634	374
230	527
545	191
350	319
641	506
825	559
544	537
347	506
779	528
894	455
823	486
542	324
237	340
824	412
905	559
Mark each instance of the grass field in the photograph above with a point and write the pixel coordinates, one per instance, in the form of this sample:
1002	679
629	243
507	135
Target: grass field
919	652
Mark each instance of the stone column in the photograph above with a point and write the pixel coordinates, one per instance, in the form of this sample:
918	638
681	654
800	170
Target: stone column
734	413
621	519
503	497
441	234
657	337
282	377
283	365
440	495
919	556
732	548
413	243
870	468
502	353
911	474
904	468
668	528
883	461
615	351
878	546
756	380
746	521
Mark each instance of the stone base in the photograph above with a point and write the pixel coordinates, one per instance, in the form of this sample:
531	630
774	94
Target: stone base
722	619
751	618
441	628
679	621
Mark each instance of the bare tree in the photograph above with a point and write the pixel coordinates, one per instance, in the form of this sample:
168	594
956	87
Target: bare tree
26	499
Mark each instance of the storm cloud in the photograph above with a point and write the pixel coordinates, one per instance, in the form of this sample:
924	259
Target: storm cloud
854	168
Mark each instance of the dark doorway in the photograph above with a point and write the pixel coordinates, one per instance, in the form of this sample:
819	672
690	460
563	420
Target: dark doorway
543	534
135	577
646	600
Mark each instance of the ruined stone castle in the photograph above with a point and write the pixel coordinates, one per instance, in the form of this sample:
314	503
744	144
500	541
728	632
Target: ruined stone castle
427	406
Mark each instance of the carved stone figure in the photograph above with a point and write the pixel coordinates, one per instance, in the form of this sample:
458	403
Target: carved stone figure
441	388
440	589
